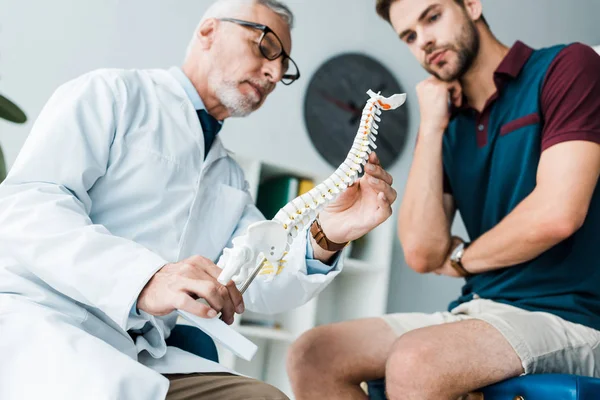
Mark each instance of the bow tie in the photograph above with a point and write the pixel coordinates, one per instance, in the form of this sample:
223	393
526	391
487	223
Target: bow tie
210	128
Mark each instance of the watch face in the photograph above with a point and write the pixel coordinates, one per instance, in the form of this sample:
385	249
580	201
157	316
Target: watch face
334	102
457	252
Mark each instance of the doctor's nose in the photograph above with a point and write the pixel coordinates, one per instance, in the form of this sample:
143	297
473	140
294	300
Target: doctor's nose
273	70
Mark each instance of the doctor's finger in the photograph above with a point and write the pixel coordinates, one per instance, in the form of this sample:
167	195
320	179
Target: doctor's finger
383	187
228	310
385	209
208	271
208	290
236	297
389	193
186	303
212	269
378	172
373	159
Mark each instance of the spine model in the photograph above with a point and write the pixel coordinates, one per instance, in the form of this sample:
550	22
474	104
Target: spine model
302	211
269	241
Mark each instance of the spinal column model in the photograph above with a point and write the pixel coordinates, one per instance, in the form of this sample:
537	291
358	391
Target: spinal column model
270	240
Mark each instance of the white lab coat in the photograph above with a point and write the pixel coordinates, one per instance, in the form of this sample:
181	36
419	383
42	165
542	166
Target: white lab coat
111	185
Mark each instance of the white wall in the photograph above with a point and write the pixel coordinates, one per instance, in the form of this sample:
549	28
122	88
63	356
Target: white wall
43	43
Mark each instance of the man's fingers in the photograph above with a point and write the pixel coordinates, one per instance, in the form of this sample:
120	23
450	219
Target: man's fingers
186	303
455	93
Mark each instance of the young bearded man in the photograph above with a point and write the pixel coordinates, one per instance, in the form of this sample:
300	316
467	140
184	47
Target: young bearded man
509	137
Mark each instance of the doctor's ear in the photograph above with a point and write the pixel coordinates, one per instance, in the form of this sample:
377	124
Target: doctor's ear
206	32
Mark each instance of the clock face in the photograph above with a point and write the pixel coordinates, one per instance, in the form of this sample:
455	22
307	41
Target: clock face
334	102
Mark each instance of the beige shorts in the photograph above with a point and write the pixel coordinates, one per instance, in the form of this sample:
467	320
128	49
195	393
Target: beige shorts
544	342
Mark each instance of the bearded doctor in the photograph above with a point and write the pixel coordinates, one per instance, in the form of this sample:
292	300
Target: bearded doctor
122	200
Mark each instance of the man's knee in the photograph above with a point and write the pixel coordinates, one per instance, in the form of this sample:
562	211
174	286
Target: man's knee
412	358
309	351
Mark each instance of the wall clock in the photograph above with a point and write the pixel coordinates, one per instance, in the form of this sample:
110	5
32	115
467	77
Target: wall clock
333	107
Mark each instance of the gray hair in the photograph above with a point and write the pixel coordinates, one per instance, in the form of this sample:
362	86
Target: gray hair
229	8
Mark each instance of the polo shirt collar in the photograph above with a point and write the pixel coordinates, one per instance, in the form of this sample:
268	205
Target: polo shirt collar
514	61
510	67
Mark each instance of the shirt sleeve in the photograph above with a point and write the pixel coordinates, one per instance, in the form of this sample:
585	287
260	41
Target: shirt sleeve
570	98
45	204
316	266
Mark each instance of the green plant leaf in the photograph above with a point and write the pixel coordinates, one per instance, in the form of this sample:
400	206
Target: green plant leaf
2	167
10	111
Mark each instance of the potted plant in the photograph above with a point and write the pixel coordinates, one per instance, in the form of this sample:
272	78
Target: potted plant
10	112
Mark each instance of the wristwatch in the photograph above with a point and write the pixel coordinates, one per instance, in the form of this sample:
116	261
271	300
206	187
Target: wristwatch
322	240
456	259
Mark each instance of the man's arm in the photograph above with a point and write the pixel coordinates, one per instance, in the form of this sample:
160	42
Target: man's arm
426	212
566	179
567	172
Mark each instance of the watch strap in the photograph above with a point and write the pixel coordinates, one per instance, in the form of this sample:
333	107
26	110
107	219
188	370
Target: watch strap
322	240
456	261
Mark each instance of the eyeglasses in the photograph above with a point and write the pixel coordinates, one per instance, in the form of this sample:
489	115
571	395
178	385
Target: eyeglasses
271	48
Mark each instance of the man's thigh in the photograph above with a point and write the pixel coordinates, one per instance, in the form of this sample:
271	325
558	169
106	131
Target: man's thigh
544	342
218	386
449	360
357	351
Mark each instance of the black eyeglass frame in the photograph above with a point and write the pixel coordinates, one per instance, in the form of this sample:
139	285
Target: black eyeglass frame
266	30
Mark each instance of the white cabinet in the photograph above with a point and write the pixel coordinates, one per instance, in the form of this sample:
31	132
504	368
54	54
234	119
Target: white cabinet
359	291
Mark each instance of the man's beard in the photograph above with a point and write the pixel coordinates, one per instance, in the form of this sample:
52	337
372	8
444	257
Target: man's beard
466	48
236	103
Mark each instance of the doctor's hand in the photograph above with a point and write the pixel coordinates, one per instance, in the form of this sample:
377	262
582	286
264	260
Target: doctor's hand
179	285
362	207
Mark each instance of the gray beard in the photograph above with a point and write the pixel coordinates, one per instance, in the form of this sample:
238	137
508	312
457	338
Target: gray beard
230	97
